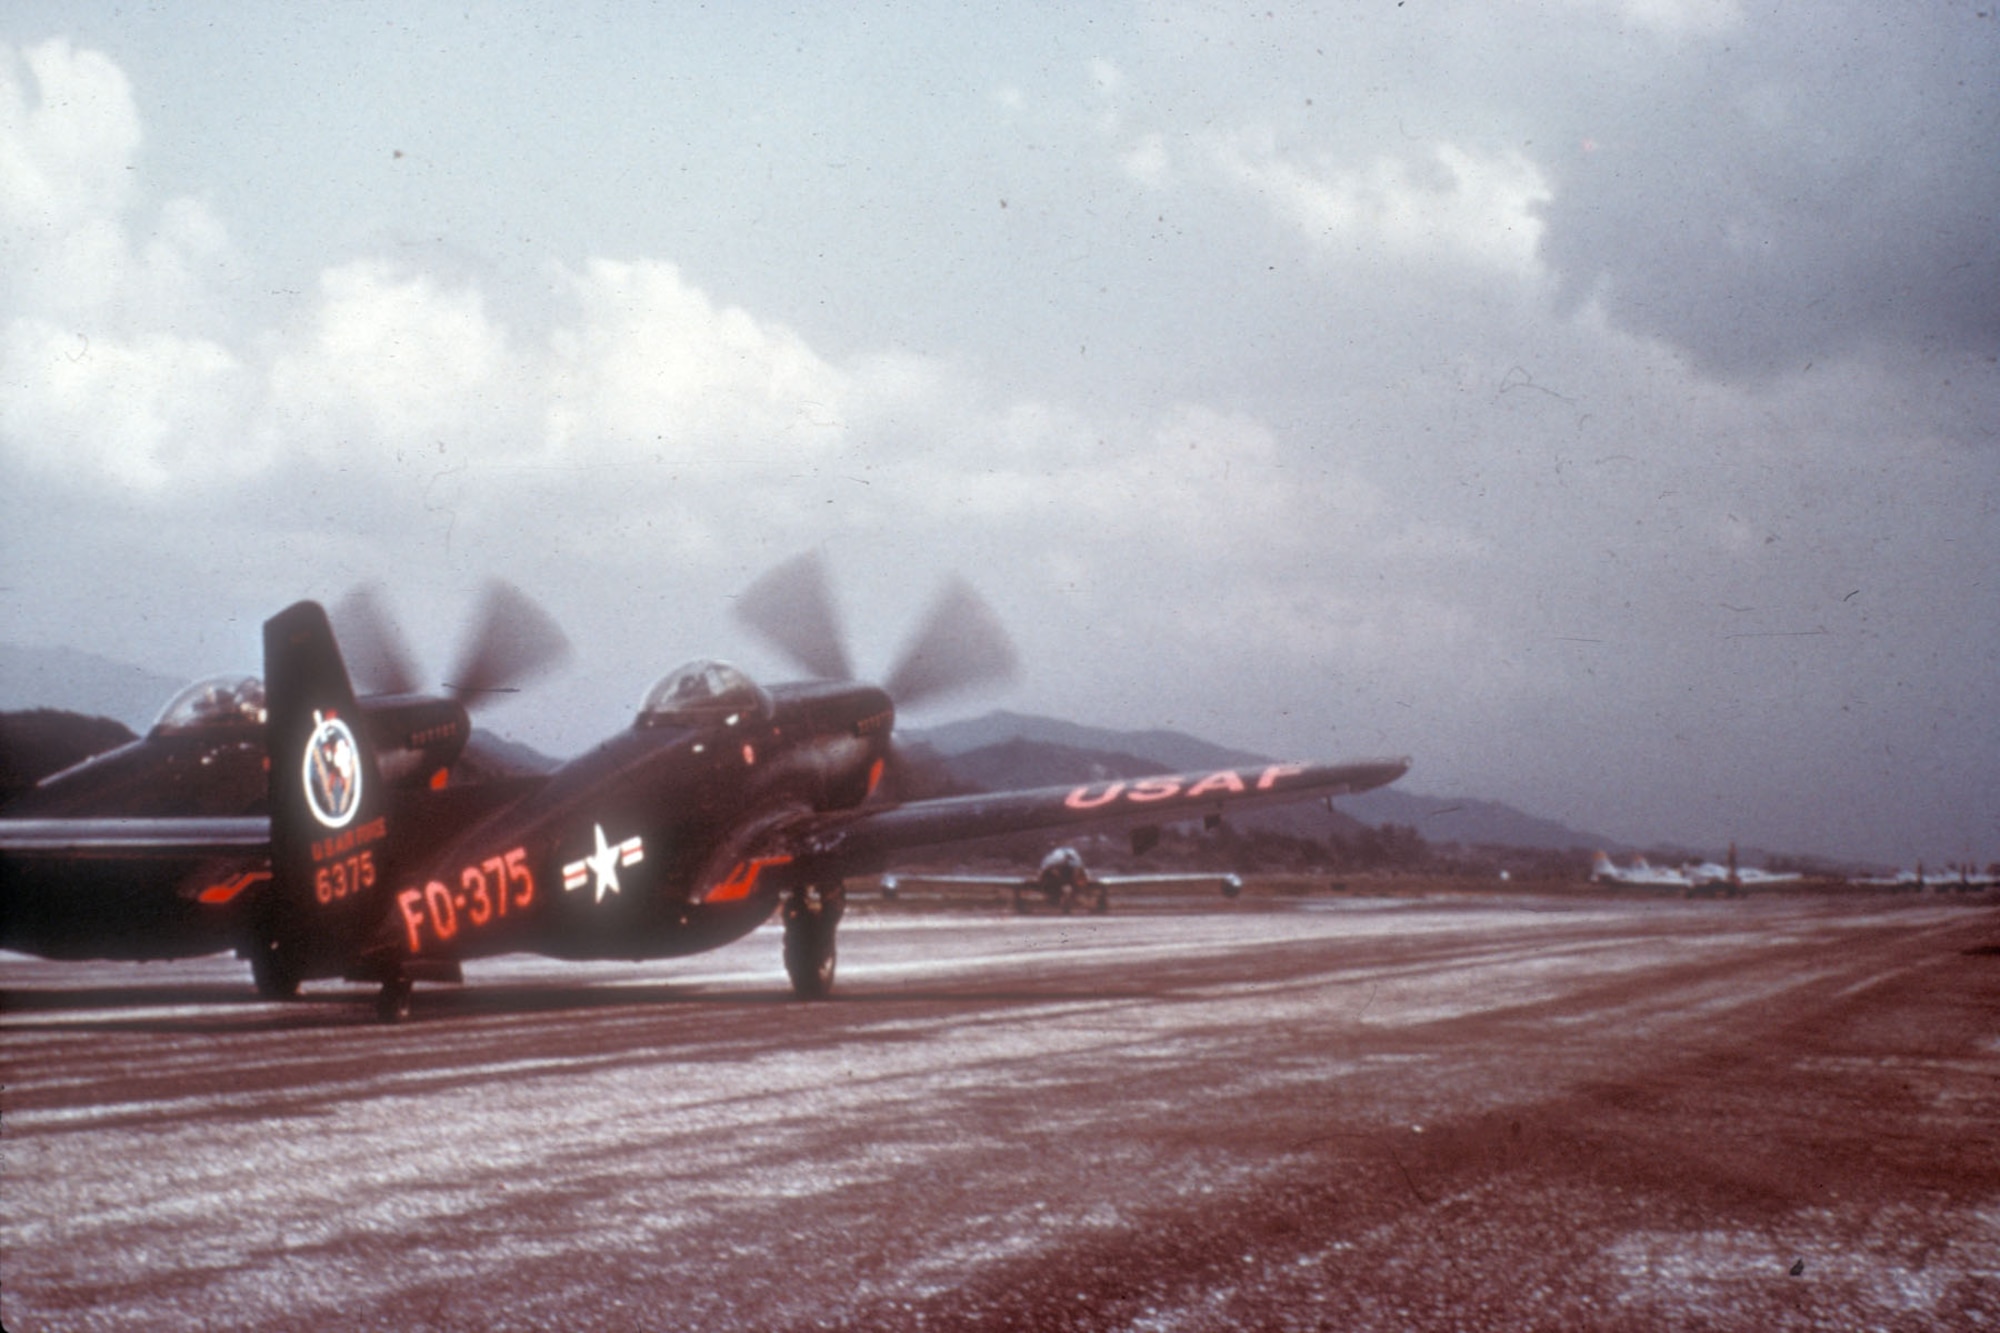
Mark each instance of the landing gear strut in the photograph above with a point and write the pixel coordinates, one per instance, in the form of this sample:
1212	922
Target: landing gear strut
811	914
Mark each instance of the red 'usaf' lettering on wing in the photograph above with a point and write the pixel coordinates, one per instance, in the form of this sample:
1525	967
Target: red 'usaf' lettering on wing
1147	791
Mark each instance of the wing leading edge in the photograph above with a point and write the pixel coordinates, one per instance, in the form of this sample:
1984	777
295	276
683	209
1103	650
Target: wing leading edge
859	841
106	837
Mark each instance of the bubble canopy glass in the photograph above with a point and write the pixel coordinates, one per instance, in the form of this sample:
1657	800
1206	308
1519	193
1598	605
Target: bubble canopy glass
702	692
214	704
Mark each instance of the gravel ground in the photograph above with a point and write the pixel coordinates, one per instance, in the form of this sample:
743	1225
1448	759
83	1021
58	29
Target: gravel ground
1354	1114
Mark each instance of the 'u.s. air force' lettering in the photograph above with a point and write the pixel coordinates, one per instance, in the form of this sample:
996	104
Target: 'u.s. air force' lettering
1145	791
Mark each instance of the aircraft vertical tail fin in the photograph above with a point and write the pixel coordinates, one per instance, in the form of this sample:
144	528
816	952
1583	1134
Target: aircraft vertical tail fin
330	810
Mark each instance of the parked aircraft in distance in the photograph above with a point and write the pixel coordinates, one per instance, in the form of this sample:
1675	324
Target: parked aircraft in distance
1640	872
1963	877
1705	874
1064	882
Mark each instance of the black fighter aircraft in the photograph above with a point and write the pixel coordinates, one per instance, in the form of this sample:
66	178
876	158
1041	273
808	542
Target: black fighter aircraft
724	801
200	888
1064	882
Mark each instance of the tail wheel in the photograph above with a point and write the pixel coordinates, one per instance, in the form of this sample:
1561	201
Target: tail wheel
811	916
393	1004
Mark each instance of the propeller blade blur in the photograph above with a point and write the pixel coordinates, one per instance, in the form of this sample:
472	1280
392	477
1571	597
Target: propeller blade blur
961	644
516	642
792	608
377	656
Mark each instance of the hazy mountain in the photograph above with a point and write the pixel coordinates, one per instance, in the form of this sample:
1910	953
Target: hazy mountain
1024	763
1174	750
37	742
75	682
1000	742
489	756
1444	819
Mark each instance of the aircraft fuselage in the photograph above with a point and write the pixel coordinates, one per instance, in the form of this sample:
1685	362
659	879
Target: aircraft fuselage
645	847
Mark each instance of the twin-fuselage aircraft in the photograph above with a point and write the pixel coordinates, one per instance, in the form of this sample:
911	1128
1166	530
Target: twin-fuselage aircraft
723	802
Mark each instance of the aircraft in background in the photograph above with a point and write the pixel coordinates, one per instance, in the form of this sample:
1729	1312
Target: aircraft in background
206	755
1707	874
724	801
200	780
1962	877
1064	882
1640	872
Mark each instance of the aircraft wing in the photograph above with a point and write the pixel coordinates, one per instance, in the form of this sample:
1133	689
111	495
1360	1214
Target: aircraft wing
112	838
860	841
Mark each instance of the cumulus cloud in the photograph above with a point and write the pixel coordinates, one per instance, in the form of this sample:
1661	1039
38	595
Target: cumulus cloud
393	364
67	144
105	372
139	412
651	361
1447	203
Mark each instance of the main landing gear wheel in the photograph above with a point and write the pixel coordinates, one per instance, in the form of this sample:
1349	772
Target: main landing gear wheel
393	1004
811	915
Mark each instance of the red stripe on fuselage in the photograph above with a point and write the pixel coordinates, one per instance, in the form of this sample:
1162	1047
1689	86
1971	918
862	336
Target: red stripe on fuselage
217	894
742	879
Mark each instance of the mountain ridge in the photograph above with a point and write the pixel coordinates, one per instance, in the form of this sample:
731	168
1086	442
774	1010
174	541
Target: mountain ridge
72	681
1439	819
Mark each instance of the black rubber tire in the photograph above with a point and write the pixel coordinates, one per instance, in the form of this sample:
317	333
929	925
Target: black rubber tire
810	954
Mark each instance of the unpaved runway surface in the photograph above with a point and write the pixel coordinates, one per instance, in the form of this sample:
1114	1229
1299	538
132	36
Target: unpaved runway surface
1432	1114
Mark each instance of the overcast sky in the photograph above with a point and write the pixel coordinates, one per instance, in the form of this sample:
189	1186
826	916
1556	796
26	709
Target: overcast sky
1596	400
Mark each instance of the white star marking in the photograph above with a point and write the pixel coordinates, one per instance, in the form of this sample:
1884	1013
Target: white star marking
603	864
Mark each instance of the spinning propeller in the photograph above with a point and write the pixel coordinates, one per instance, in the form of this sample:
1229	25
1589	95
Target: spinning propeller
958	644
514	642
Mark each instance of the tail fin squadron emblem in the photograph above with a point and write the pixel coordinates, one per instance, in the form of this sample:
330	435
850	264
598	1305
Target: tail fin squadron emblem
332	772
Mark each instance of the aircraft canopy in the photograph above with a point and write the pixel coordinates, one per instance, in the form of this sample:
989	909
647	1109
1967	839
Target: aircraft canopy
213	704
700	692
